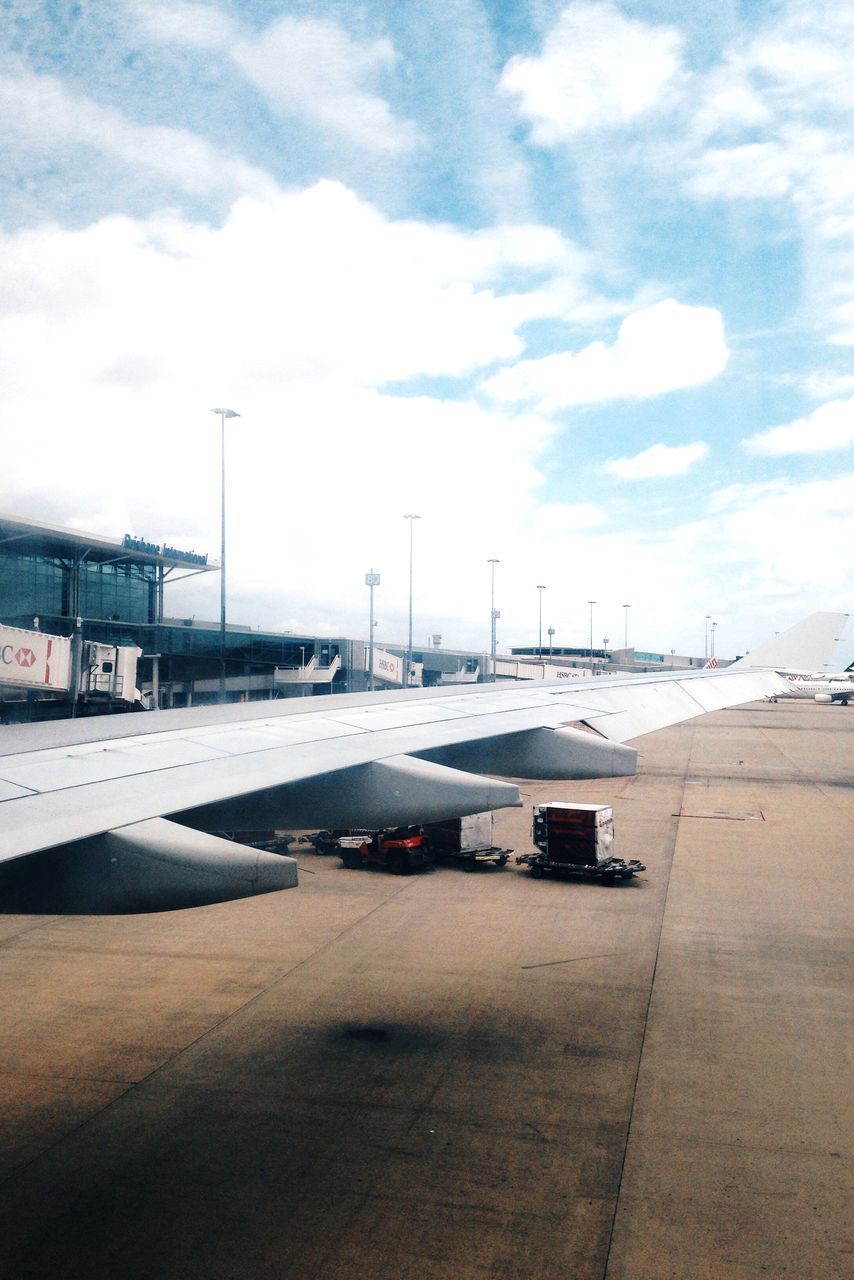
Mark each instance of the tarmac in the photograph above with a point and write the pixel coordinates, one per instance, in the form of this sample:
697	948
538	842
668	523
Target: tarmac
455	1076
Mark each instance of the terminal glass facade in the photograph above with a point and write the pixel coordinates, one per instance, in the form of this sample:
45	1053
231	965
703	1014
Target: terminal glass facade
53	587
30	585
122	591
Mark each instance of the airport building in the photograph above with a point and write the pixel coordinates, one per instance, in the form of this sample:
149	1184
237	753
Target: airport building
603	661
103	592
61	582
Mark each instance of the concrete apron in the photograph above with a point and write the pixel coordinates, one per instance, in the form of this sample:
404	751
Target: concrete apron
738	1162
437	1076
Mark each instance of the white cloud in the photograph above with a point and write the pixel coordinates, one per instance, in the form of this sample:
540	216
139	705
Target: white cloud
296	312
46	115
303	308
199	25
554	519
780	532
827	383
661	348
310	284
756	170
598	69
315	69
796	66
729	101
805	54
830	426
755	558
659	460
307	67
774	121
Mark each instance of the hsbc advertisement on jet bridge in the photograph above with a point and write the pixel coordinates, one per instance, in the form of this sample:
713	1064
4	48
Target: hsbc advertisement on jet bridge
34	660
388	667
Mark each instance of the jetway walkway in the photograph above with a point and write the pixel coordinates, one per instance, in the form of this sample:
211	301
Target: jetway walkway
310	672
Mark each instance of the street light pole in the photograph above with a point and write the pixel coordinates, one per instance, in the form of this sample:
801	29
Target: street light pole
223	414
712	653
591	603
706	636
407	675
371	580
540	588
626	608
492	616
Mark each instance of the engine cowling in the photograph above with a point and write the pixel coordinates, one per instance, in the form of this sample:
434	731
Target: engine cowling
823	697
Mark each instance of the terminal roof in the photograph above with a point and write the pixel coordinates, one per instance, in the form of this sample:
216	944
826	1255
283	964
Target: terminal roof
59	540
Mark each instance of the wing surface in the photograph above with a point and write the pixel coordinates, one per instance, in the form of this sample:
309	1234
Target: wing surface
65	782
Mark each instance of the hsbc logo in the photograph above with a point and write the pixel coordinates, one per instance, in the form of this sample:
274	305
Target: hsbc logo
23	657
29	659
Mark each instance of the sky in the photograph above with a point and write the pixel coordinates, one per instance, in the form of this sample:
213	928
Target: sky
571	280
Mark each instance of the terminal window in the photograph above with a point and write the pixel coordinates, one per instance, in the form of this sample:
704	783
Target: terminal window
31	585
123	591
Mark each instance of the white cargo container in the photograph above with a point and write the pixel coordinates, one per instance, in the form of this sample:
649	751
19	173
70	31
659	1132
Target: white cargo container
468	840
473	832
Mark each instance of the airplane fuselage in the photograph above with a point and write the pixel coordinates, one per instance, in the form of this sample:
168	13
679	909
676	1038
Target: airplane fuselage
819	687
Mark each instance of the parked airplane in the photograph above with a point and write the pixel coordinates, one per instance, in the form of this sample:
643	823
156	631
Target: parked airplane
792	655
821	688
119	809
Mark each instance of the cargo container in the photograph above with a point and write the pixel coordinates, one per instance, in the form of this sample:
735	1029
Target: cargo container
577	838
468	841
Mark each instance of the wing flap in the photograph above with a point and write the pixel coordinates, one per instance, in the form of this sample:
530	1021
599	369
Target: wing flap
655	705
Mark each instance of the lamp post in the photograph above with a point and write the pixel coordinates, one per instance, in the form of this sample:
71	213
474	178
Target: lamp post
626	608
540	588
492	617
712	640
706	636
407	673
591	603
223	414
371	580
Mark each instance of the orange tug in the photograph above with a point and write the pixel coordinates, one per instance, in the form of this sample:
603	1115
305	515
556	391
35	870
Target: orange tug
400	849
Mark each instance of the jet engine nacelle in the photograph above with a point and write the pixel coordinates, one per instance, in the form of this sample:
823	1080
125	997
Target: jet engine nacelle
823	697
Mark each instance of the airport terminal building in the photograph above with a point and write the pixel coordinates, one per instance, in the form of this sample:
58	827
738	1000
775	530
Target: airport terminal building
61	582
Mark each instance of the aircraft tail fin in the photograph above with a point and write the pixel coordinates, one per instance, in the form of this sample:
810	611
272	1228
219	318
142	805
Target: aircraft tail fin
823	642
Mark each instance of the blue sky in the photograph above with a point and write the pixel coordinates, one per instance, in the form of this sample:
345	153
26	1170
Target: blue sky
572	280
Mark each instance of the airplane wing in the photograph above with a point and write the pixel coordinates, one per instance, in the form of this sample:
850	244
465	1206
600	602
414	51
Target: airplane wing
102	789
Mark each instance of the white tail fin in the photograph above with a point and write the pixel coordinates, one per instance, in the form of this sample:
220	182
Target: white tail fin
823	642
